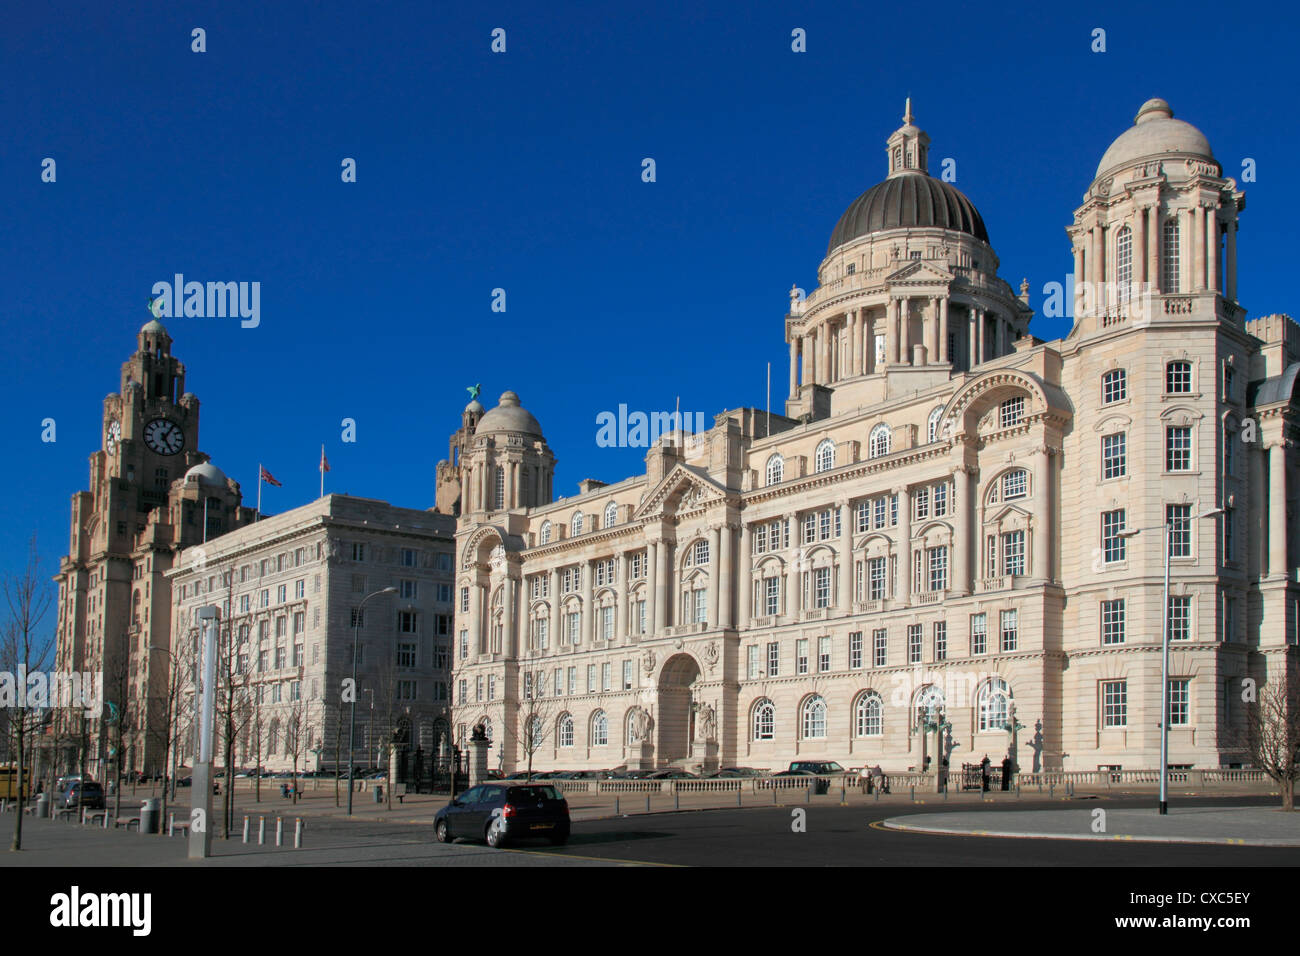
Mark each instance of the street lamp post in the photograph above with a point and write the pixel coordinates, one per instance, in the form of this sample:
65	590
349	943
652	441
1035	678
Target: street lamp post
1164	646
352	728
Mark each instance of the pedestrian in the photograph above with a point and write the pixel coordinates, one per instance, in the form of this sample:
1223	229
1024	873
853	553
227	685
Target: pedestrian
284	790
985	775
1007	767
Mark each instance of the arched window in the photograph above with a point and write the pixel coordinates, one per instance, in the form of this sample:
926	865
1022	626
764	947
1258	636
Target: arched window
611	515
879	442
1114	386
869	716
764	720
814	718
1178	377
1124	262
992	704
699	553
775	470
932	425
575	527
825	459
1015	484
599	729
1169	257
546	532
564	730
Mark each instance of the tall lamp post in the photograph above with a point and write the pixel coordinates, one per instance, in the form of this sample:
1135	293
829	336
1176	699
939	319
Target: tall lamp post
1169	527
352	722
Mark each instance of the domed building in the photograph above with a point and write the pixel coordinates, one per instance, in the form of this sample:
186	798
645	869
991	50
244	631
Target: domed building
953	541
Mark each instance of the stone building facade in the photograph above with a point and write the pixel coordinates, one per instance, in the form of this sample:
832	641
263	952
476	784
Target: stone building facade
953	542
290	589
152	493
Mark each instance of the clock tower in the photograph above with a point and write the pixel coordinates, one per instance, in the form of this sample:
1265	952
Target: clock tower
152	494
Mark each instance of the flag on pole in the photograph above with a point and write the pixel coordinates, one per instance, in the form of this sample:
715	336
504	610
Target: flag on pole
268	477
324	467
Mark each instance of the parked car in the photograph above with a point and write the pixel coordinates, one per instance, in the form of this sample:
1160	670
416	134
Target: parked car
82	793
672	775
503	812
732	772
813	768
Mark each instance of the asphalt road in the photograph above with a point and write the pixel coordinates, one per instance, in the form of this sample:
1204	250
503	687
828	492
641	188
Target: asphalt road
840	836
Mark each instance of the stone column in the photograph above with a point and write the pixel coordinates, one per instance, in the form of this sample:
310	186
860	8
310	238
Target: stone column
805	356
1198	250
1212	249
904	331
1040	556
855	343
1230	279
622	620
794	371
662	584
715	577
1101	262
1186	241
553	595
891	333
1153	249
904	545
974	336
652	589
509	646
1078	263
932	328
588	629
961	582
727	570
1277	545
827	370
792	589
942	355
473	625
746	575
845	597
1139	245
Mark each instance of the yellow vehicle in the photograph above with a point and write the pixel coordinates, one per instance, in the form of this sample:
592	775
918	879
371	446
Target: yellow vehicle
9	782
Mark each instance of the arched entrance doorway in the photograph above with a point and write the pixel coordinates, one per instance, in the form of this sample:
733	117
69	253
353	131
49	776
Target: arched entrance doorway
676	711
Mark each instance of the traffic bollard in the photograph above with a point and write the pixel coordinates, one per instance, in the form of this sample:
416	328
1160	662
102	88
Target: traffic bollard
297	833
261	831
914	793
171	824
738	803
279	831
647	803
616	806
245	829
1051	791
677	799
807	794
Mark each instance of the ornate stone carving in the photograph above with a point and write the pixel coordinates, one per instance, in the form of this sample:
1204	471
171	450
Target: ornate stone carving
711	654
648	660
639	724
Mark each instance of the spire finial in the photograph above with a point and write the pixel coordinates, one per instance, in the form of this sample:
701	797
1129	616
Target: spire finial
907	114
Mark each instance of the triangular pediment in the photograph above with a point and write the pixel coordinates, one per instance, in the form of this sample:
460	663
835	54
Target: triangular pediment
682	489
918	272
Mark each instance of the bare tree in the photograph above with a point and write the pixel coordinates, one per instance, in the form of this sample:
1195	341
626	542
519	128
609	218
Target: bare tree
534	723
391	715
1272	736
22	650
121	718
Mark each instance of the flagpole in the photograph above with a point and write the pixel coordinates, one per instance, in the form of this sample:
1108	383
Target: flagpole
322	471
258	517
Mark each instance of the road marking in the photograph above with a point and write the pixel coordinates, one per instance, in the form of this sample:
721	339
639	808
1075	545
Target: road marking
579	856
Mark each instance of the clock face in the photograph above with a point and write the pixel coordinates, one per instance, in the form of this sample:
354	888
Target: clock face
112	437
164	437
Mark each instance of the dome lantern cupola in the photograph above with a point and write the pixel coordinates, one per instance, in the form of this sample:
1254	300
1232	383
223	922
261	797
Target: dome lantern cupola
908	147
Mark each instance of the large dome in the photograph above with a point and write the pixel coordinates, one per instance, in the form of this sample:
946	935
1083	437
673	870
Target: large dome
1155	134
207	473
508	416
911	199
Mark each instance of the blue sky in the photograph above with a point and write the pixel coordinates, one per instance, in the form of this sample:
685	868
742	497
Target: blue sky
522	171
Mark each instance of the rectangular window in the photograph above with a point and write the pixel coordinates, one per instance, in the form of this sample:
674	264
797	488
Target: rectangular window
558	684
875	579
574	619
821	587
281	593
607	623
300	589
914	643
1012	411
358	617
773	659
571	681
801	656
358	551
1228	542
938	567
823	654
940	500
855	649
1178	448
1010	631
771	596
1180	535
478	688
406	622
1113	547
1178	375
605	674
1114	386
1114	703
1112	622
409	590
863	517
880	507
627	675
1114	457
406	654
921	503
591	678
492	686
1180	702
879	647
940	640
408	558
462	691
464	600
1180	617
1013	552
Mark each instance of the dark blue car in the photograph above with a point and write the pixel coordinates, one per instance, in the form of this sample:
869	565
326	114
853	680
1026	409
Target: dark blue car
502	812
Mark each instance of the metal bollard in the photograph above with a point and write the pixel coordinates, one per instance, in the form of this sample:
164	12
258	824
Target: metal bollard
297	833
616	806
844	797
877	794
245	829
1051	791
913	788
647	803
807	794
261	831
774	796
105	816
171	824
279	832
738	803
1017	789
677	799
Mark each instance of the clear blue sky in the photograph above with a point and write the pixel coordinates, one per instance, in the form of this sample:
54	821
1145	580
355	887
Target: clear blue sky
522	171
